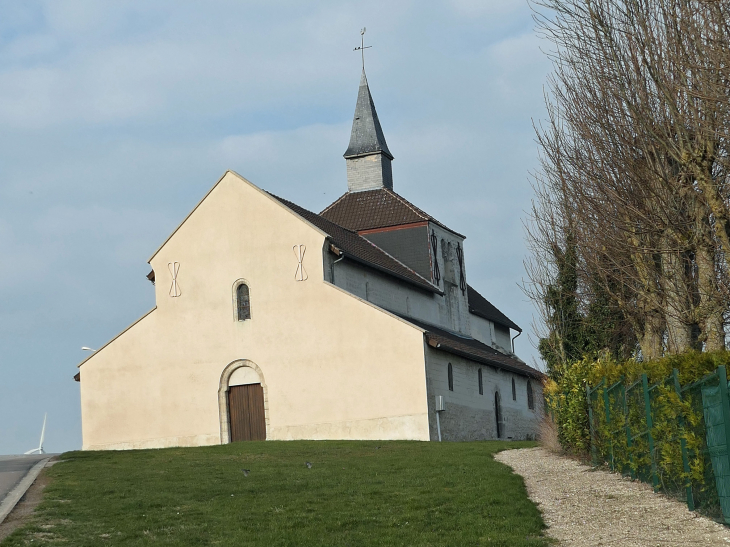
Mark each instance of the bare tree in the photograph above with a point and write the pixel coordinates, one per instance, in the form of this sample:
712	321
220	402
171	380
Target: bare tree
634	163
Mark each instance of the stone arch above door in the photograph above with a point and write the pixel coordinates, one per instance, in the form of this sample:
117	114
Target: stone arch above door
223	396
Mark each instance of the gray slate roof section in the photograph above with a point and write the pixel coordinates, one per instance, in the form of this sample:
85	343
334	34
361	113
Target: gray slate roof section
466	346
367	135
478	305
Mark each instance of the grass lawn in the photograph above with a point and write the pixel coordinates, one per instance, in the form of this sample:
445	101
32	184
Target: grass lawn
356	493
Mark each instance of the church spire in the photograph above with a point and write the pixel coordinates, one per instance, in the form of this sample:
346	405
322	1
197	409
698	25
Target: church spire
367	157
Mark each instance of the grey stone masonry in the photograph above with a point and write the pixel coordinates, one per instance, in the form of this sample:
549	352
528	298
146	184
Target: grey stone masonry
369	173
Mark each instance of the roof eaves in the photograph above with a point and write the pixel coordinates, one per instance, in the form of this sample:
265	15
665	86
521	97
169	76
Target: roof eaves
511	325
435	342
117	336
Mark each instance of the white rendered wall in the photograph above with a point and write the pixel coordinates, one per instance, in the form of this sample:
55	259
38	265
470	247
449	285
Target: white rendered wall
334	366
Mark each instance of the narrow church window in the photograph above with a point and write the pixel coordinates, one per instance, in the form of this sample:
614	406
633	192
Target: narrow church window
530	396
514	390
451	377
498	414
243	302
481	385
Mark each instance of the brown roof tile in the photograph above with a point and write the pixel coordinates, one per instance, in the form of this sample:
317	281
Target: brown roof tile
371	209
466	346
360	249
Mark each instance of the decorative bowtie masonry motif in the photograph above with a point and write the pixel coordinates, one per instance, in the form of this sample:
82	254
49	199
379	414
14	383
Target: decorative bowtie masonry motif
174	268
300	274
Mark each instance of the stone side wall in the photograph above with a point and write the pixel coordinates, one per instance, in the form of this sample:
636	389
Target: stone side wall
482	329
369	173
469	415
454	308
502	338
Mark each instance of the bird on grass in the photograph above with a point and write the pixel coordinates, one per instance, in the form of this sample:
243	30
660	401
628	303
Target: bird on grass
308	464
246	472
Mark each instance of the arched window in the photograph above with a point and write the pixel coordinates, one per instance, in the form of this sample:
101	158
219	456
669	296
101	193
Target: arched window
243	302
451	377
514	390
481	384
530	396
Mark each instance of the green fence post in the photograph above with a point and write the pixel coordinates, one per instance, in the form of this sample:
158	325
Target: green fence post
629	444
649	425
722	376
607	406
590	423
683	445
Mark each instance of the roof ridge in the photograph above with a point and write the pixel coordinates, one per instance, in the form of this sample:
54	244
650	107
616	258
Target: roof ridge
408	204
335	202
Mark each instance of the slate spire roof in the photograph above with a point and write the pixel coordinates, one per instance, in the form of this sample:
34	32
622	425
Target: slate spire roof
367	135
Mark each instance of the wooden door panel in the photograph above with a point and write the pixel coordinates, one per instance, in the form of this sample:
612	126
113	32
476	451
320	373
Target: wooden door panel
257	419
246	413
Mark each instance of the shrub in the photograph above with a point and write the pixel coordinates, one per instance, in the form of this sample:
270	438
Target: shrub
674	419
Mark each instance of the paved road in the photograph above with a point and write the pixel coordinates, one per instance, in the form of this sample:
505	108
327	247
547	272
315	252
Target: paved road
13	469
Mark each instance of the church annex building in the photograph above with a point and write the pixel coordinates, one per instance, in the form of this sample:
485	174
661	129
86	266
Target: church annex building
274	322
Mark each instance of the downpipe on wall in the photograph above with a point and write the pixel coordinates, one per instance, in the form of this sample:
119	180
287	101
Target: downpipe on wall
513	340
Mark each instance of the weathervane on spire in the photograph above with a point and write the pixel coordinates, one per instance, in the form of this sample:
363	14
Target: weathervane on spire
362	47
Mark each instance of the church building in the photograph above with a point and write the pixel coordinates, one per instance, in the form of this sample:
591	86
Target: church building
274	322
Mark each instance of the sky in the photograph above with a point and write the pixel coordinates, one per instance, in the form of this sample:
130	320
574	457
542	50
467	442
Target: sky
117	117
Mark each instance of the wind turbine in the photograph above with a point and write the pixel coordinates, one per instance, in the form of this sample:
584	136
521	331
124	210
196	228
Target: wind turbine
40	450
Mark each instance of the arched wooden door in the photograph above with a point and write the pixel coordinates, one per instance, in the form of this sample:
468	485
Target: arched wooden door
246	412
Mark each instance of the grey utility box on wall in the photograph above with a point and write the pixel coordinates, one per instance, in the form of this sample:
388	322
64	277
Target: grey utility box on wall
440	406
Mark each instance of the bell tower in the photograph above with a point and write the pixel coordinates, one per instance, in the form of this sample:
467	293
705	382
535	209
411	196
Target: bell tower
367	157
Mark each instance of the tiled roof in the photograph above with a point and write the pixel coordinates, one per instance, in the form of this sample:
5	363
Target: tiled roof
360	249
371	209
465	346
478	305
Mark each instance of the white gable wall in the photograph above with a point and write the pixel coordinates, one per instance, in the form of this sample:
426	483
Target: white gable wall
334	366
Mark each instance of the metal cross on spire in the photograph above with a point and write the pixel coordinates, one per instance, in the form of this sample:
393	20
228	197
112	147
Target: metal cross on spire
362	47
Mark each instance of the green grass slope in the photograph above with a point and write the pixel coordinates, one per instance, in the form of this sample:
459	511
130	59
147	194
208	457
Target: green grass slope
355	493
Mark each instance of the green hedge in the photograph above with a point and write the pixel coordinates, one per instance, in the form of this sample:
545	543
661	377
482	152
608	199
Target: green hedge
674	420
566	397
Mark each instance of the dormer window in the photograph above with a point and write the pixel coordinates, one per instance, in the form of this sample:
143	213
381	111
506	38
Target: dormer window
243	302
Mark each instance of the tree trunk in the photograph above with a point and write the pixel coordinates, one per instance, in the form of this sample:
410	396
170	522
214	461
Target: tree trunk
677	305
710	308
651	339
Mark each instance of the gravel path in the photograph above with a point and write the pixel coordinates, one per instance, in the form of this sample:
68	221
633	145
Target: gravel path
583	507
